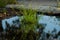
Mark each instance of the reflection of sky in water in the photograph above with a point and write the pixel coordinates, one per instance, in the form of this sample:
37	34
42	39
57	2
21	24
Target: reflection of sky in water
51	23
9	21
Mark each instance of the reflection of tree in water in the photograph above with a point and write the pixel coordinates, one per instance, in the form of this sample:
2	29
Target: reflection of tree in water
11	31
1	28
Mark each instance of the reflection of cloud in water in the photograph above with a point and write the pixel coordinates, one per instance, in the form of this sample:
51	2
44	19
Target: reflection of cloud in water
51	23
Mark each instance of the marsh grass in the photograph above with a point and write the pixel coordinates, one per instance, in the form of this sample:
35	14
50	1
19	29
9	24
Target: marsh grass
29	20
28	26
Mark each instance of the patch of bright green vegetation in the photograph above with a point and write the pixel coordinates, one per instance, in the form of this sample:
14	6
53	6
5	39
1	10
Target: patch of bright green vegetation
29	20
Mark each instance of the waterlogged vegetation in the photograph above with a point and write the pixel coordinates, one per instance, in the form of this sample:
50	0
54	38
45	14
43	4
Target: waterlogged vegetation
25	24
29	19
28	25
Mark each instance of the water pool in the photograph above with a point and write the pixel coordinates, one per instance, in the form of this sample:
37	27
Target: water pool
51	23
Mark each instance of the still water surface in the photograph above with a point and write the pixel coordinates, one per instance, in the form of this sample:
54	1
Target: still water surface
51	22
